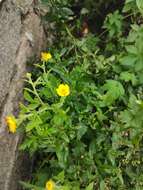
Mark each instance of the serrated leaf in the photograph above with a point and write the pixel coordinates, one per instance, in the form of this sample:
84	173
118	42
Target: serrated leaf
114	90
126	76
36	120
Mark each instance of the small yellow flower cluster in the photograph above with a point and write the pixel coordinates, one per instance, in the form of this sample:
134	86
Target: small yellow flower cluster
63	89
45	56
50	185
11	123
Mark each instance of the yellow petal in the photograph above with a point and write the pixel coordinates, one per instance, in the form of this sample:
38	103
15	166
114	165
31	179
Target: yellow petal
63	90
50	185
45	56
11	123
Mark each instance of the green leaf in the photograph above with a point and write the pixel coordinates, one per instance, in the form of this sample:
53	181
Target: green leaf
67	11
35	121
114	90
59	118
129	60
62	154
132	49
140	5
29	186
90	186
92	148
119	175
139	65
84	11
126	117
41	177
102	185
81	131
60	177
126	76
28	97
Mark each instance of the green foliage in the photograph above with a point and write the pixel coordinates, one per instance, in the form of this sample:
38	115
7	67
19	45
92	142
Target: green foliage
93	138
140	5
59	10
113	23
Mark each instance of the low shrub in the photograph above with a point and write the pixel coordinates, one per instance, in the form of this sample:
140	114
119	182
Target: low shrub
84	104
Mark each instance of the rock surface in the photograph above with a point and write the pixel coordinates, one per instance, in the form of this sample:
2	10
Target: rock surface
21	36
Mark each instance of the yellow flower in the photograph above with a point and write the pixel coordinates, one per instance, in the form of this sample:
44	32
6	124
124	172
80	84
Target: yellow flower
50	185
45	56
11	123
63	90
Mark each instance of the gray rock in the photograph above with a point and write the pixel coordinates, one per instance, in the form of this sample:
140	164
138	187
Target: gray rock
19	40
23	5
10	26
